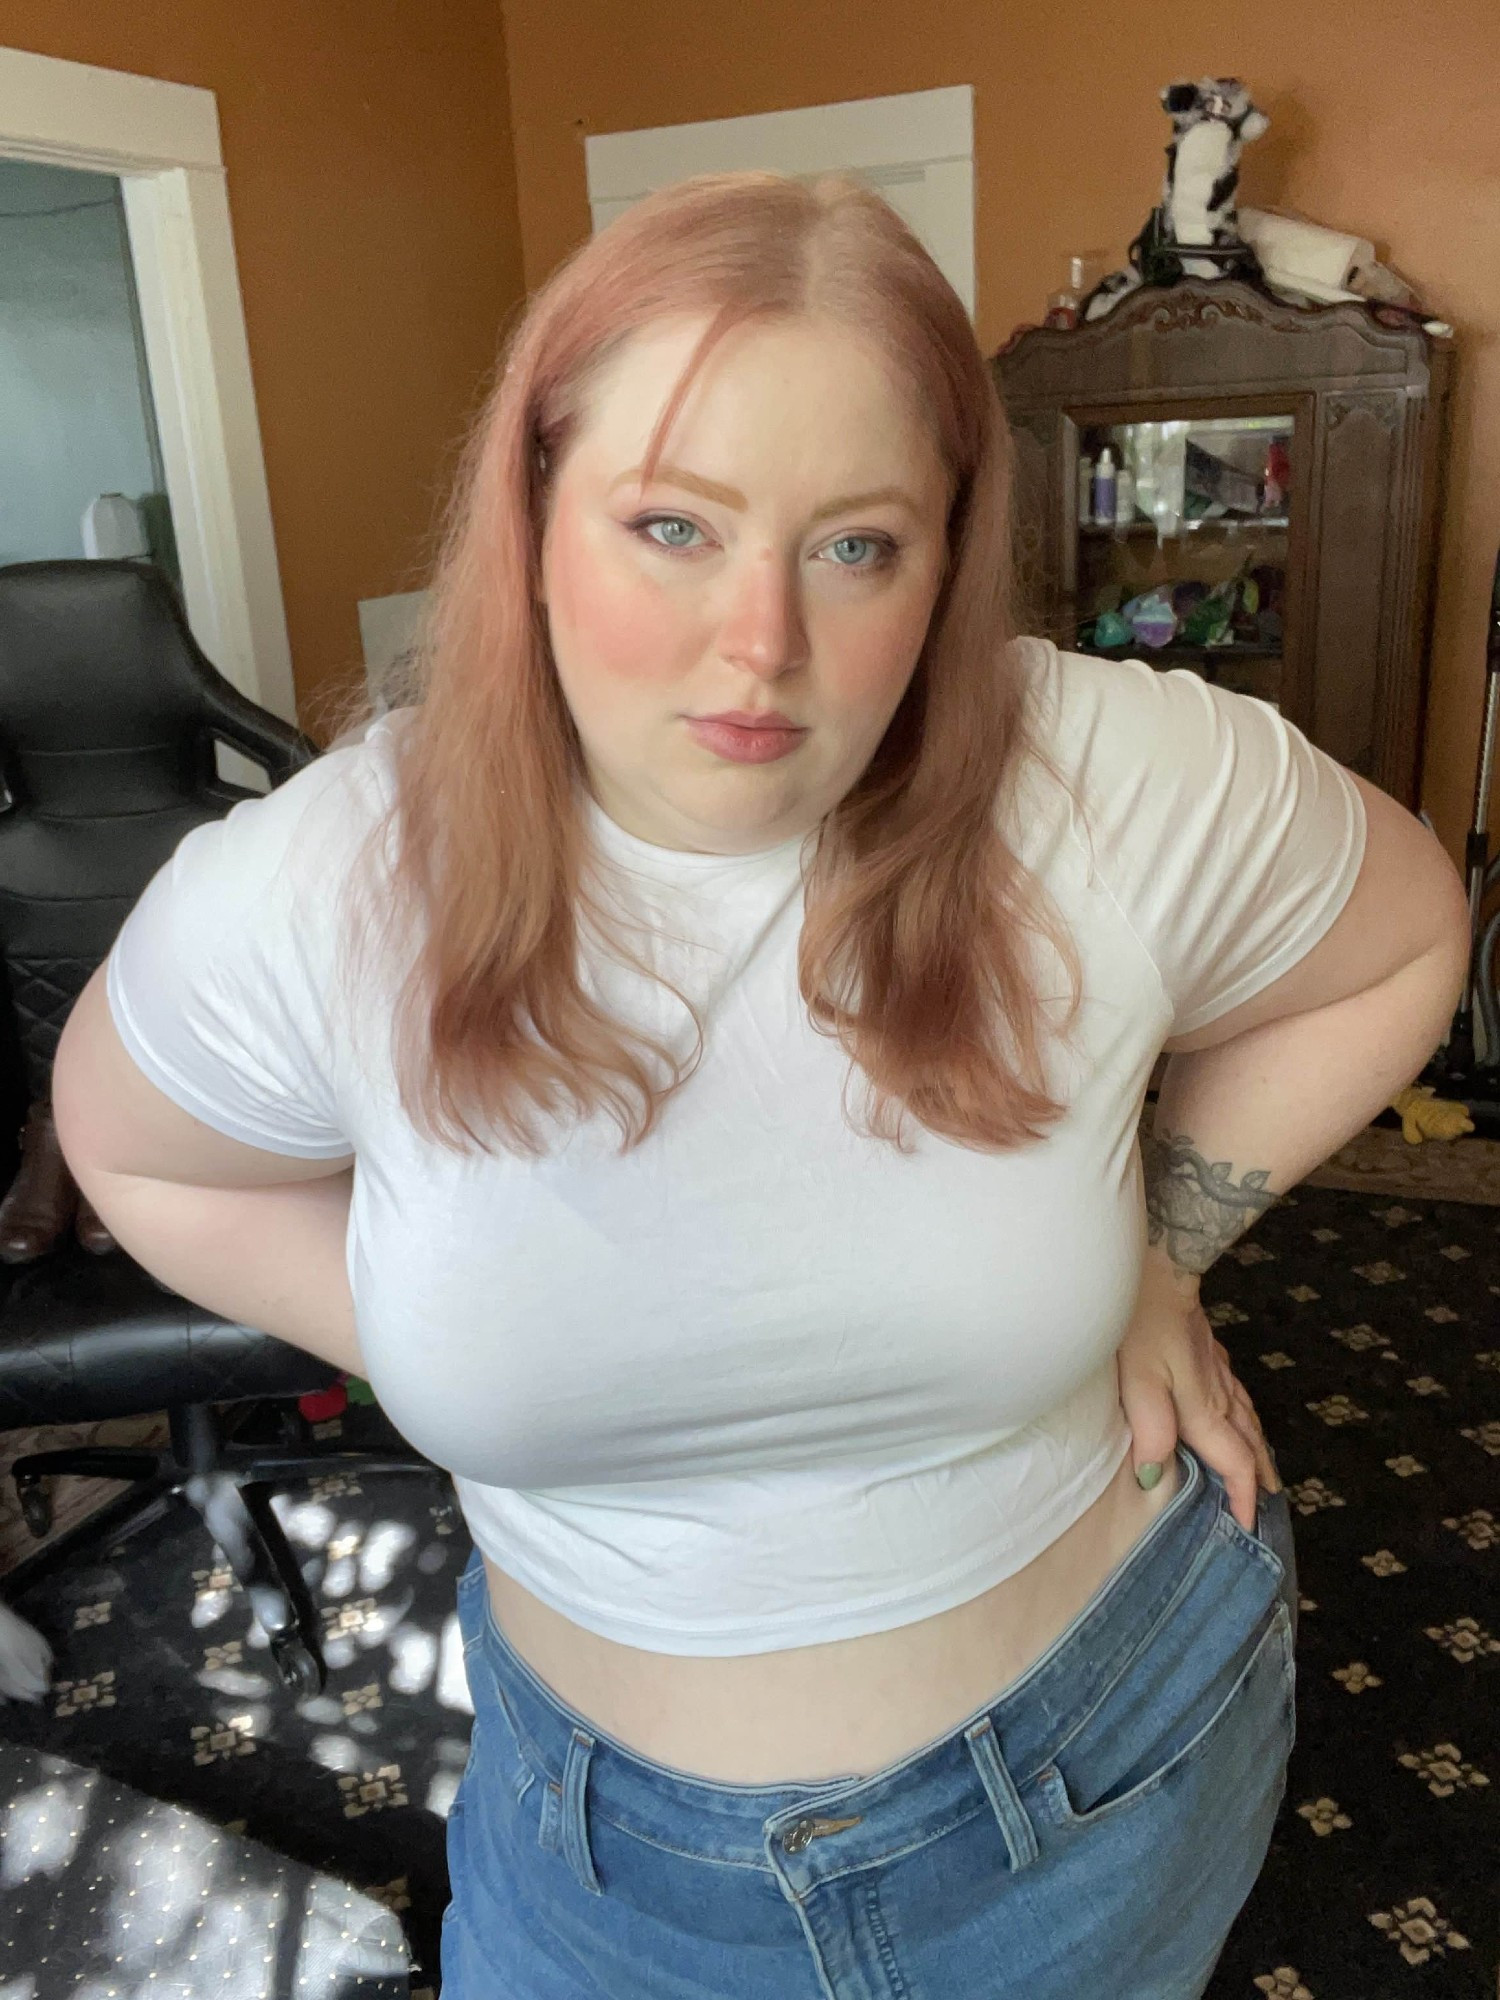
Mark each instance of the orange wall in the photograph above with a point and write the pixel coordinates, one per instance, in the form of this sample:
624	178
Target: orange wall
372	194
393	201
1384	123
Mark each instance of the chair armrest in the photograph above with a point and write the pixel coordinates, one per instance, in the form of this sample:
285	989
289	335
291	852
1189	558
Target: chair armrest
278	747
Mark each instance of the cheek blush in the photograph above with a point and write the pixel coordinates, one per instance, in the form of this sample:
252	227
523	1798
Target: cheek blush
615	623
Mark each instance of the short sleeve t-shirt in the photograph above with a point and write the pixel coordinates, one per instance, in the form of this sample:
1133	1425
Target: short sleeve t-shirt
766	1380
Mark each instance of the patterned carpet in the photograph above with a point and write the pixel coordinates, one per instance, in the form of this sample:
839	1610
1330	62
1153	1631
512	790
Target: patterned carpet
1368	1330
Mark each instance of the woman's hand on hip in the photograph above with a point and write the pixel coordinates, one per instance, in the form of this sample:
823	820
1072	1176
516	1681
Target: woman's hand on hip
1176	1383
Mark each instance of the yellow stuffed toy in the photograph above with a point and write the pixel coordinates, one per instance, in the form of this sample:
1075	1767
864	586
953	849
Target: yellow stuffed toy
1425	1115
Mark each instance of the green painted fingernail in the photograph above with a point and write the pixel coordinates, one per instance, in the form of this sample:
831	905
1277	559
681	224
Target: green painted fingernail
1147	1475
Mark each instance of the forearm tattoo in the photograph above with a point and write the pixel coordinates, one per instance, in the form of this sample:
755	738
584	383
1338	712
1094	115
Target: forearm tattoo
1193	1208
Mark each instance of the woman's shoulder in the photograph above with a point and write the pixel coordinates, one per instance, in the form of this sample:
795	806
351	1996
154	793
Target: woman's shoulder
1075	693
355	774
1103	724
1118	746
363	757
298	843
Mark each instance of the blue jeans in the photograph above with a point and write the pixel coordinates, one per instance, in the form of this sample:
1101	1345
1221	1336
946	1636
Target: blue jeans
1096	1829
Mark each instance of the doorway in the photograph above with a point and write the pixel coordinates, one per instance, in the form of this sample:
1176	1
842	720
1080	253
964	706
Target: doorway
82	471
157	145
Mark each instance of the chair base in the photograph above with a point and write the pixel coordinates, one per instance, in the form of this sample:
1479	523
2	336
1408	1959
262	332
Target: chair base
227	1483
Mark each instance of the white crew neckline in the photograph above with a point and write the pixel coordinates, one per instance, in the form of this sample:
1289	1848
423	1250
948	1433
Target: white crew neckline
672	862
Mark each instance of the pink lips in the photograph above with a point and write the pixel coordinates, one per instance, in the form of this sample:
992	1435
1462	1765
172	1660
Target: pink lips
744	718
741	745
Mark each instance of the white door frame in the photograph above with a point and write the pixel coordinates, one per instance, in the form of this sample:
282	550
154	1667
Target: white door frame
162	139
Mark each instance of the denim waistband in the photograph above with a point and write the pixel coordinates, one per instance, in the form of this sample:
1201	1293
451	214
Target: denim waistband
1008	1742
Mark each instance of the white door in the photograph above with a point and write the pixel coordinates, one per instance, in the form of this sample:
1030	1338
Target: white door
915	149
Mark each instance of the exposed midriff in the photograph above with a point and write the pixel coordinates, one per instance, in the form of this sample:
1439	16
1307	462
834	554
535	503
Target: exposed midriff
840	1708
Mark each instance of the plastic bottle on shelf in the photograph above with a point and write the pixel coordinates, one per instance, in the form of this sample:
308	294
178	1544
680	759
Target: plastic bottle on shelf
1277	477
1085	489
1062	307
1124	497
1104	486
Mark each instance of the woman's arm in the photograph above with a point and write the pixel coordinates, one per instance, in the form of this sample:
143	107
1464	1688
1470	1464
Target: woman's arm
1254	1101
253	1235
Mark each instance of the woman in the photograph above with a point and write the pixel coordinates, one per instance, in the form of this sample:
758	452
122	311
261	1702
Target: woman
821	1634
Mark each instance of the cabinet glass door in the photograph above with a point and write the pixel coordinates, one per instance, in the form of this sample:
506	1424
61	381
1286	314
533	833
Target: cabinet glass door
1182	546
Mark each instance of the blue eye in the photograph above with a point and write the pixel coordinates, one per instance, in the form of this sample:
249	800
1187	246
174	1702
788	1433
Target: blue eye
885	549
658	521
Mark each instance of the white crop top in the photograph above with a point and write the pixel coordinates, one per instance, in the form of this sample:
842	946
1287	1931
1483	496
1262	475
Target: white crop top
764	1381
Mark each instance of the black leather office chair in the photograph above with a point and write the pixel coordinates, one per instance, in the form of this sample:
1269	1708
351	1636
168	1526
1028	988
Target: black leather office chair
109	713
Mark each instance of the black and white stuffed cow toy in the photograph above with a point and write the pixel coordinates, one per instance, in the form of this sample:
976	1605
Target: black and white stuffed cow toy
1212	120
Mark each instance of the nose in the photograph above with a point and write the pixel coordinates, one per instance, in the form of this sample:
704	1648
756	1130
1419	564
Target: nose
764	629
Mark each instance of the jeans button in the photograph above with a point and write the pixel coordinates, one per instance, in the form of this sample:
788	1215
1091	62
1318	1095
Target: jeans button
797	1837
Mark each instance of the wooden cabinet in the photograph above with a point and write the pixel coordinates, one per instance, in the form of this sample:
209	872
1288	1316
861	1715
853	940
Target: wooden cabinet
1313	441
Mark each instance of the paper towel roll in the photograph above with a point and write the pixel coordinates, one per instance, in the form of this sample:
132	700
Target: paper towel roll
1304	255
114	526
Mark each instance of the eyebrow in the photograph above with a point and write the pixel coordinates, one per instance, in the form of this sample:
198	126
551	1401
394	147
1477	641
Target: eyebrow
730	496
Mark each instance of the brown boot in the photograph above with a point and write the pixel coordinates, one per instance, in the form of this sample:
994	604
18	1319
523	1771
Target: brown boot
43	1197
90	1231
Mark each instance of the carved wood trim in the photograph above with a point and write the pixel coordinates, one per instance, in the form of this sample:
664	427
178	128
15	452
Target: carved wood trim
1383	406
1211	336
1174	313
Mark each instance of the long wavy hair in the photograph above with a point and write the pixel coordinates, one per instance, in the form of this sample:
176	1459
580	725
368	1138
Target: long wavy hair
912	948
